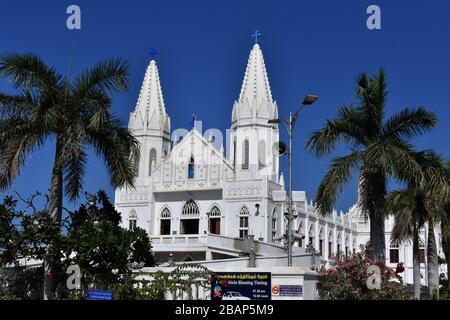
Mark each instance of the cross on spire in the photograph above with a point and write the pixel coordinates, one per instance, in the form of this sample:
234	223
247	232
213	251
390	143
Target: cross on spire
194	119
256	34
153	54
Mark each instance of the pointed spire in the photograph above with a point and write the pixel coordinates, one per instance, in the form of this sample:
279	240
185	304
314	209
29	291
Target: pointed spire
150	104
256	83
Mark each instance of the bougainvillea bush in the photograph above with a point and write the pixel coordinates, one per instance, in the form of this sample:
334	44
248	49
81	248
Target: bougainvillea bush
347	279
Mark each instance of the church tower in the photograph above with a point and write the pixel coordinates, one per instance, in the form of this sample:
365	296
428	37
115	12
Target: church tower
150	124
251	137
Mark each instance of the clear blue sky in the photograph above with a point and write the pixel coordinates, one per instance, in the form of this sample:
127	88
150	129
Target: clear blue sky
309	46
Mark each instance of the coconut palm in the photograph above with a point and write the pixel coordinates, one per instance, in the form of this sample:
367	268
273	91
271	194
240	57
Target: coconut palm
445	228
75	114
416	205
379	149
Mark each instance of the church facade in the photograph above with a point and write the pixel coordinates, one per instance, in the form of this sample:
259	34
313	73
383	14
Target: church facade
199	204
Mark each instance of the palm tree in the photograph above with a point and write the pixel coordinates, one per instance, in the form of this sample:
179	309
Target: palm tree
417	204
77	115
445	228
379	148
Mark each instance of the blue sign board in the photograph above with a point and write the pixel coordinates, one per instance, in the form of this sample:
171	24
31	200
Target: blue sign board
94	294
241	286
291	290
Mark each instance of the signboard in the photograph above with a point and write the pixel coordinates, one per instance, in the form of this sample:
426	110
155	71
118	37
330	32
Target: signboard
285	290
241	286
94	294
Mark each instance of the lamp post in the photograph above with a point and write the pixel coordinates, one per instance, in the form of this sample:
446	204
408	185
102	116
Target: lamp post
290	124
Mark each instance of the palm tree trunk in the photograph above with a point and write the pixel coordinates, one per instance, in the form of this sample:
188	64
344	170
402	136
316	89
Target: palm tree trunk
446	249
416	264
55	211
377	236
446	245
432	259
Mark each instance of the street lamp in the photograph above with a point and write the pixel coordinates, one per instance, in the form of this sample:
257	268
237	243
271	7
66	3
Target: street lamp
290	124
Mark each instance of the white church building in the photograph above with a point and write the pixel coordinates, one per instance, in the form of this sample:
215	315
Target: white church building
199	204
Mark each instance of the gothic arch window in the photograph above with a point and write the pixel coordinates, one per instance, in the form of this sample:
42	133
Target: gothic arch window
339	244
347	243
190	208
152	161
132	220
394	249
190	214
311	239
234	152
301	232
274	223
321	240
243	222
136	165
245	154
191	168
262	154
214	220
214	212
330	244
165	214
421	251
165	222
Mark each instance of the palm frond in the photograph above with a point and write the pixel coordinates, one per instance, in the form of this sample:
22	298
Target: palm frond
118	147
348	127
28	71
409	123
109	76
402	204
74	159
20	104
14	151
336	177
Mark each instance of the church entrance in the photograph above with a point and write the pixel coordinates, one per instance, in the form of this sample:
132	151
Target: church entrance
189	226
214	225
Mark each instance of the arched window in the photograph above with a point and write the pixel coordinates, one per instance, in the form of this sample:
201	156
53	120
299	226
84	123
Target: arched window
321	241
234	153
191	168
136	165
346	246
301	232
394	256
339	244
330	244
245	154
214	212
421	251
262	154
274	223
214	220
190	208
311	240
132	218
190	214
165	214
243	222
152	161
165	222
